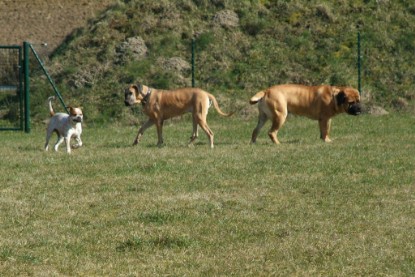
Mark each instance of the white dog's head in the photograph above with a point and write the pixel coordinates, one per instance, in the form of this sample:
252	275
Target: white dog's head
76	114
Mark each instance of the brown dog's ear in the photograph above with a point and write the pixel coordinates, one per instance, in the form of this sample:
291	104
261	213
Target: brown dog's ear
140	87
134	87
341	98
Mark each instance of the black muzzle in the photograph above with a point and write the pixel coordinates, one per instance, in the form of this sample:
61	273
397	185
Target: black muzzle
354	109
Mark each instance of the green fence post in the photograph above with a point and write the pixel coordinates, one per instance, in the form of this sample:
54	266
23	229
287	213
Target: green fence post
26	86
21	89
359	65
193	62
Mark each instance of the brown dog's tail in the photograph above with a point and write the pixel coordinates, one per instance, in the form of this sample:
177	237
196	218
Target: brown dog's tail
216	105
258	96
51	111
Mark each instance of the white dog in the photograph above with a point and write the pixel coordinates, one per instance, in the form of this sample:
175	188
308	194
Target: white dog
66	126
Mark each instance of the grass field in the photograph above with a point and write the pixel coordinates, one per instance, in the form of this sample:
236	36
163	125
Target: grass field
302	208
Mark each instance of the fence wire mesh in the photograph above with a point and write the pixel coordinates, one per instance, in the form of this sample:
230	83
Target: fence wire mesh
10	88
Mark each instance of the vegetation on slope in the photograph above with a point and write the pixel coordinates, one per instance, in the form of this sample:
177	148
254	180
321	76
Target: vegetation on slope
241	47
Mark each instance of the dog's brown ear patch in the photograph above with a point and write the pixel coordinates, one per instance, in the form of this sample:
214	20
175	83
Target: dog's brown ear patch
341	98
72	110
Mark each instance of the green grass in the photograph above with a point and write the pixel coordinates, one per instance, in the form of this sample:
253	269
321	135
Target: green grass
302	208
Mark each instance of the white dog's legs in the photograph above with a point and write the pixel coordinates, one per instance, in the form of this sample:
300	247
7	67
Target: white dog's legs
78	144
47	141
68	144
58	142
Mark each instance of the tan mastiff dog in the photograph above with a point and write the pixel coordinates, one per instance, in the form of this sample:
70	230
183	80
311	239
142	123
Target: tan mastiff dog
316	102
160	105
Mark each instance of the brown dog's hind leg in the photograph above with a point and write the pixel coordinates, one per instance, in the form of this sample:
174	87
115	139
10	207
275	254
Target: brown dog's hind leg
208	131
272	133
195	133
262	119
277	122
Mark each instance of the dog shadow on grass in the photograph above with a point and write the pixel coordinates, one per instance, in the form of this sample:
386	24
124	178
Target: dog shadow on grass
118	145
292	141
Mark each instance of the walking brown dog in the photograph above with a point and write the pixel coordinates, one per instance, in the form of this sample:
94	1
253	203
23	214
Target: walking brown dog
160	105
316	102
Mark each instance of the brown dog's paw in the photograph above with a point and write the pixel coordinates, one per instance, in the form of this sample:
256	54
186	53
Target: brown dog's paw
327	139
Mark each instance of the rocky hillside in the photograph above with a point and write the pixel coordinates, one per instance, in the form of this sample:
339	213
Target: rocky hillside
241	47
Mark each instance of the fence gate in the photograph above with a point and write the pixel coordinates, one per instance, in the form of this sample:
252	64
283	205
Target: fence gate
11	89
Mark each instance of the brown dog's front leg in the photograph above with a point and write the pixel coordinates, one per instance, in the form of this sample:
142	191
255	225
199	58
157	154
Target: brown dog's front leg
146	125
159	126
324	129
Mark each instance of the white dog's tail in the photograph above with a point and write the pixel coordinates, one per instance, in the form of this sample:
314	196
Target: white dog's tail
216	105
51	111
258	96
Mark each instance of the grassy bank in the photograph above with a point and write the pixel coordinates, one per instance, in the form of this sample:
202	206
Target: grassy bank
240	47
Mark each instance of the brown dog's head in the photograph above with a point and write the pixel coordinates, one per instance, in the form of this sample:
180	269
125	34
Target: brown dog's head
133	95
348	99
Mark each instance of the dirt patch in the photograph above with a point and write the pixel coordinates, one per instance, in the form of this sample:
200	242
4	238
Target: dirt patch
39	21
176	64
376	110
227	19
133	48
